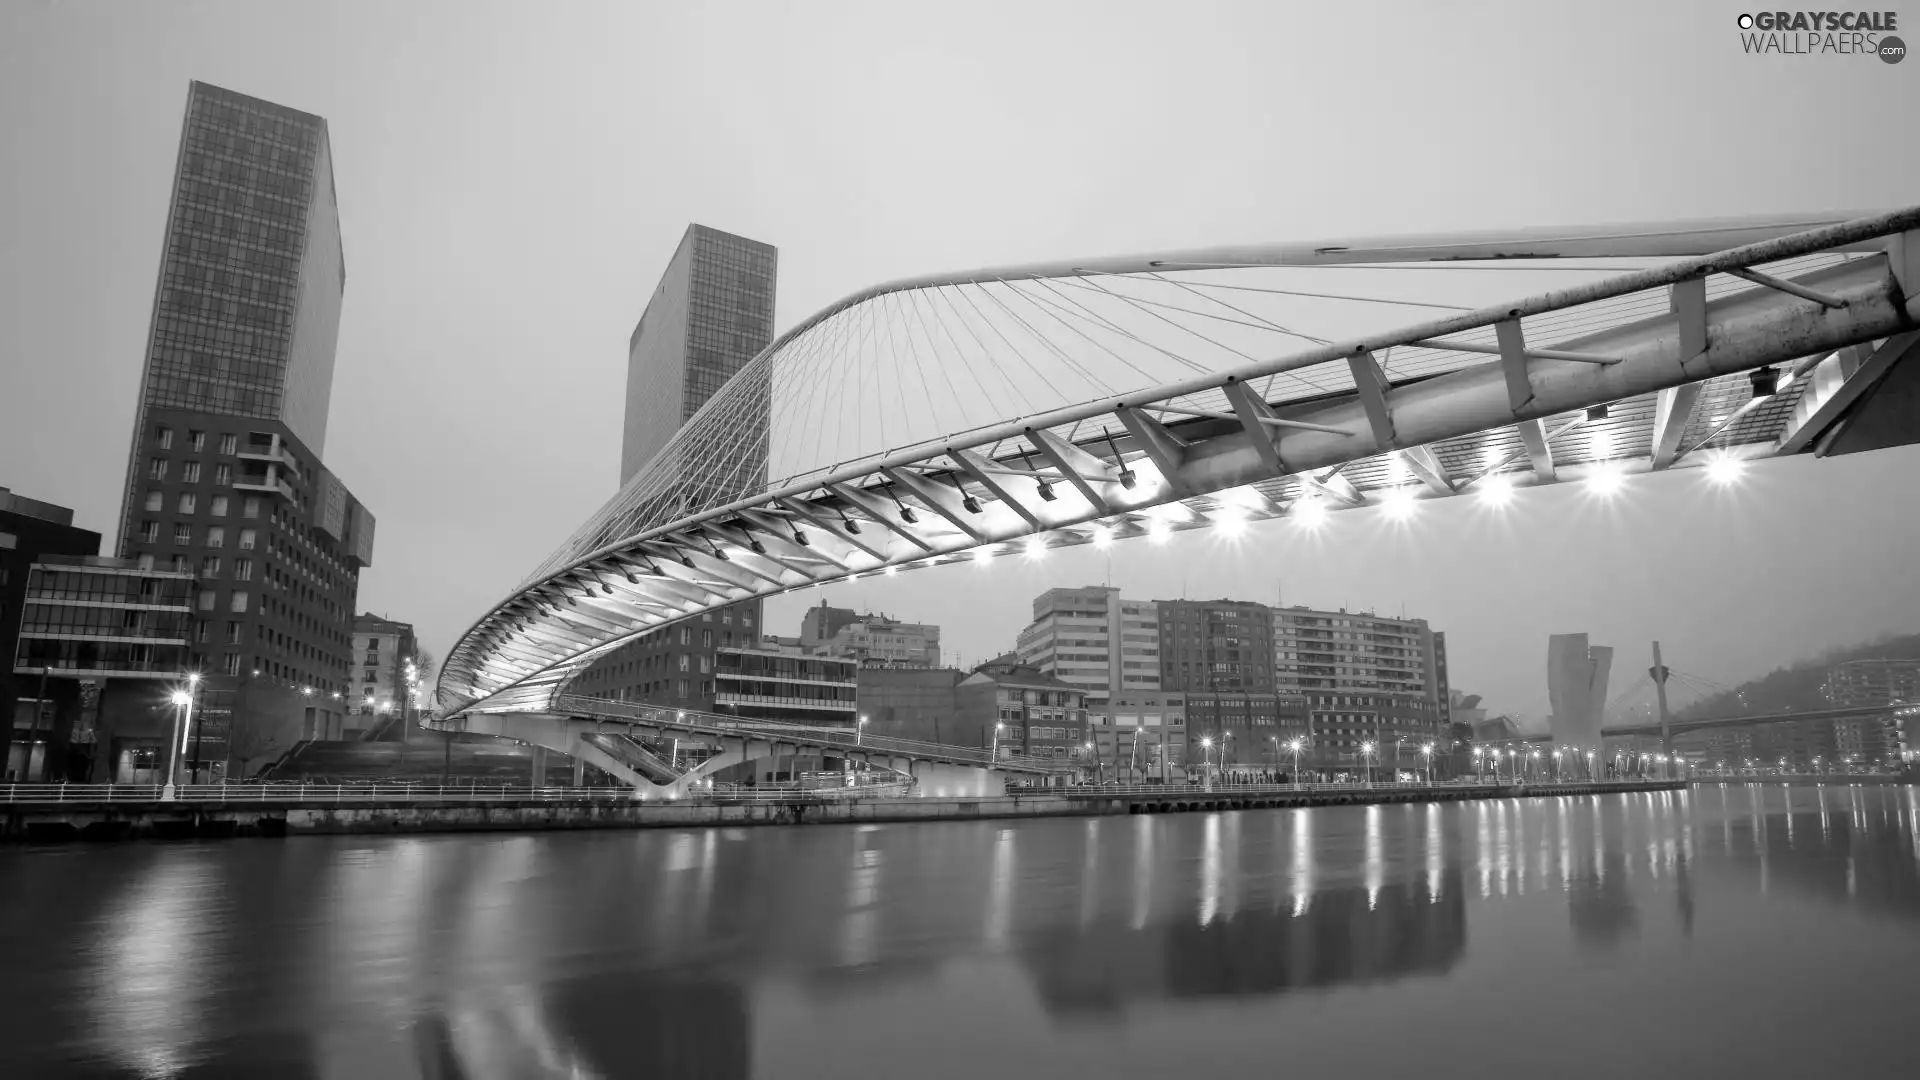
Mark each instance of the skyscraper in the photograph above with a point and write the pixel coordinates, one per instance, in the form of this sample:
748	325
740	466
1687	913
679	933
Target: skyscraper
224	477
711	313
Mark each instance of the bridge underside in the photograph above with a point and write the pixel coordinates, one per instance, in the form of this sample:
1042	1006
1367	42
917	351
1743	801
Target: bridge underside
1652	369
617	753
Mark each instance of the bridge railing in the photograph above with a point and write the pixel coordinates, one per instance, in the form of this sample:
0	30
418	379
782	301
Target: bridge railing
1191	789
849	738
202	795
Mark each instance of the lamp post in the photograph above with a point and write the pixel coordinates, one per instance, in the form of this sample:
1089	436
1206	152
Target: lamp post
1099	770
1533	762
193	692
1206	763
1426	751
994	755
1294	745
182	701
1366	762
859	731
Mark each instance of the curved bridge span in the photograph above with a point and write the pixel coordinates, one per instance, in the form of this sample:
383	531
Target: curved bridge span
1632	368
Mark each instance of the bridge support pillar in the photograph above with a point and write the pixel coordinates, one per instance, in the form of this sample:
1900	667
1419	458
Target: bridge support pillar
539	771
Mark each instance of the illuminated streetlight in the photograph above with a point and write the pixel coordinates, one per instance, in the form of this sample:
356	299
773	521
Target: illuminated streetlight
859	731
1426	751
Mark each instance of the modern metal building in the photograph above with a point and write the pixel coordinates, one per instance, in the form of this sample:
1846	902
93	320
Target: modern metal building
224	476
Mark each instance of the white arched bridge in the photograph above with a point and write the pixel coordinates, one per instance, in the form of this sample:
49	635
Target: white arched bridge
961	417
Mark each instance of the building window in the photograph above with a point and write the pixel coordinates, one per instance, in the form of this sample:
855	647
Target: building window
165	438
190	473
200	631
188	503
197	440
182	535
229	444
706	639
210	566
233	659
179	564
686	637
683	687
156	502
233	633
243	569
223	475
206	599
250	507
246	539
218	508
157	469
238	602
216	535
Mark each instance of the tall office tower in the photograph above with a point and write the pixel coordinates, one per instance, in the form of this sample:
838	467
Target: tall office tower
711	313
1092	639
224	478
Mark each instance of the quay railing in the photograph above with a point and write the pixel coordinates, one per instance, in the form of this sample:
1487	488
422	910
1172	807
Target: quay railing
216	794
1185	789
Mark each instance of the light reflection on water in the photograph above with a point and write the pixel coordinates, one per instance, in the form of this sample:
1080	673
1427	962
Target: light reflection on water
1120	947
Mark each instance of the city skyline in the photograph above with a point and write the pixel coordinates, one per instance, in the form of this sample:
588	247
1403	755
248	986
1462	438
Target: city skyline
446	372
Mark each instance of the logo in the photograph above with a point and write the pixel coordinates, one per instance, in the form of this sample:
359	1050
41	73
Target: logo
1823	33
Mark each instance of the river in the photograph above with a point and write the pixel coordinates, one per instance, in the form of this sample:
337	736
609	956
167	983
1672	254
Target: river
1734	930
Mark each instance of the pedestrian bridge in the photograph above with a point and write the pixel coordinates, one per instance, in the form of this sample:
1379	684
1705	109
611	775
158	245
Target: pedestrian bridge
955	419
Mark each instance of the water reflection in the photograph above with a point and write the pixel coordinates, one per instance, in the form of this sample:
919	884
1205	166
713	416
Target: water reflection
735	953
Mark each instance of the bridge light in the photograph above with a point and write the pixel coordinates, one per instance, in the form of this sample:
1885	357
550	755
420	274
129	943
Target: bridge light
982	555
1046	491
1102	536
1597	412
1036	546
801	538
1127	479
1605	480
1725	470
1310	513
970	504
1496	491
892	570
1398	503
1229	521
1766	381
1158	532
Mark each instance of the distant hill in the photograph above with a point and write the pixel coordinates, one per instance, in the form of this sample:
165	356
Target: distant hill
1798	687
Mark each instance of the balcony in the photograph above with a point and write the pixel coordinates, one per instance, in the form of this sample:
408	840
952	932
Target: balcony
724	698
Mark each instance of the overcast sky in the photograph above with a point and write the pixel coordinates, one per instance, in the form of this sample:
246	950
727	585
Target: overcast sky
514	176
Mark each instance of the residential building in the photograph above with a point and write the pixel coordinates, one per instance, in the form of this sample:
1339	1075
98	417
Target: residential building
1357	652
711	313
224	477
382	649
1218	645
831	631
1881	739
1020	711
1093	639
80	636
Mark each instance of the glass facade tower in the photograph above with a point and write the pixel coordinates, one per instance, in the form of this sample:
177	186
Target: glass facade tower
224	477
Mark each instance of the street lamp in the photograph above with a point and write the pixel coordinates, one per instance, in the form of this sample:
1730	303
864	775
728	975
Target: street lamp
1366	761
997	728
1294	745
182	700
1206	763
193	692
859	731
1533	763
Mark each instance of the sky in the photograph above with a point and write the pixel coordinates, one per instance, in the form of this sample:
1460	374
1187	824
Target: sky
513	178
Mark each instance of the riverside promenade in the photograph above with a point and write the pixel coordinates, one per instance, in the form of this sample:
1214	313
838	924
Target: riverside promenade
61	813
